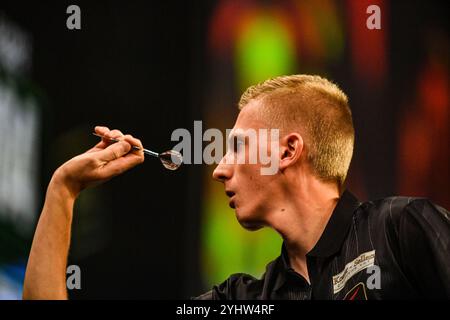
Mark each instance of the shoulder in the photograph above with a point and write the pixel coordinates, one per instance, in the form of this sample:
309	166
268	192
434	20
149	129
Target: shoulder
236	286
407	218
397	209
241	286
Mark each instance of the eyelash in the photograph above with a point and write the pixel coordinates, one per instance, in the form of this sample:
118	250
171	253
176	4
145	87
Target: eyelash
238	143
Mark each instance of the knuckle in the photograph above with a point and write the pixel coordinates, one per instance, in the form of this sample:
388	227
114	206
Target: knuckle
124	147
91	162
115	154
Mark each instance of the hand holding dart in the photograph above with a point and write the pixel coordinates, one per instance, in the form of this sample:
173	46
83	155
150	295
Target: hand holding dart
170	159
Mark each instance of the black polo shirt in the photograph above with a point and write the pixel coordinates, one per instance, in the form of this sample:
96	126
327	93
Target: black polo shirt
394	248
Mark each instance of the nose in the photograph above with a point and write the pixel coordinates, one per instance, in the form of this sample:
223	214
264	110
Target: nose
223	172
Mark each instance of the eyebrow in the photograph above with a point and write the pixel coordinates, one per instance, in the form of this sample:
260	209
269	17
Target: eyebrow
233	136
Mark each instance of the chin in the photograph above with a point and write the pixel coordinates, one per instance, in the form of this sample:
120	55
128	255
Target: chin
248	222
251	226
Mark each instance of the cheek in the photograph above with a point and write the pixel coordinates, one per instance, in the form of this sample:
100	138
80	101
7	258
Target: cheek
248	178
255	182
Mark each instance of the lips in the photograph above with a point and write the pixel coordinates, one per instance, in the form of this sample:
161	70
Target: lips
230	195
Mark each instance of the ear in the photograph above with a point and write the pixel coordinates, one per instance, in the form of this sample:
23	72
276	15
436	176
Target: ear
291	148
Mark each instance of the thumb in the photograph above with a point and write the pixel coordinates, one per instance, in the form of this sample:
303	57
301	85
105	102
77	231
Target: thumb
114	151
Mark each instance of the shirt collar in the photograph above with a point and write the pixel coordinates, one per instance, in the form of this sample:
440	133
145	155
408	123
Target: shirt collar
331	239
337	227
284	268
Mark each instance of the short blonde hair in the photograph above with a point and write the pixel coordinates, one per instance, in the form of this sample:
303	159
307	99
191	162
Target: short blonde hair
319	110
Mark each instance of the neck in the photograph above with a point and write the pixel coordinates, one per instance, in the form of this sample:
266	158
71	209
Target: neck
301	217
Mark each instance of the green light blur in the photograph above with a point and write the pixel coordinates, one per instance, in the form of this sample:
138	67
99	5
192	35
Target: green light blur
231	249
263	50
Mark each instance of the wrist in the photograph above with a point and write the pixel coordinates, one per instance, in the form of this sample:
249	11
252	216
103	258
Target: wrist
60	185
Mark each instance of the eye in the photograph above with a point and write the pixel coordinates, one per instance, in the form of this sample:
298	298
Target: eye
238	144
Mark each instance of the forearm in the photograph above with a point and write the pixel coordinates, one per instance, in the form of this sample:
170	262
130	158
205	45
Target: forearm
45	276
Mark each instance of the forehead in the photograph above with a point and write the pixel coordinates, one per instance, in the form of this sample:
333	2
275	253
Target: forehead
249	117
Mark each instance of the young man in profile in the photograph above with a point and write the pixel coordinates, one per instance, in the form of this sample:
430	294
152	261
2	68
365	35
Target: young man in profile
334	247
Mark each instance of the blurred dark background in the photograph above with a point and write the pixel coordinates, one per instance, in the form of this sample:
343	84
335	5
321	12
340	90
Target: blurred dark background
149	67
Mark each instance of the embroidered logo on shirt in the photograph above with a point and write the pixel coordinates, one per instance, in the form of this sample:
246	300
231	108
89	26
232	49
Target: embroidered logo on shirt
362	262
358	292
